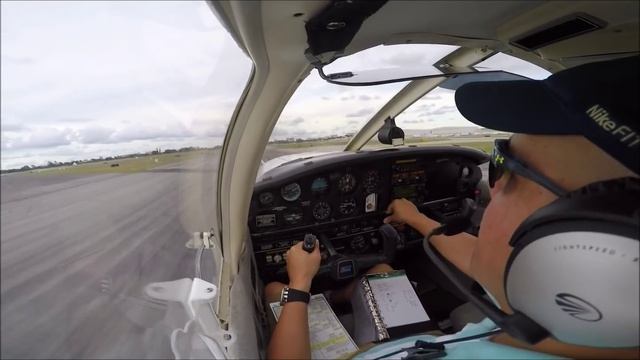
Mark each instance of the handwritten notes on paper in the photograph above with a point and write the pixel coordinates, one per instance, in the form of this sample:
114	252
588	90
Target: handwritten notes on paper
397	301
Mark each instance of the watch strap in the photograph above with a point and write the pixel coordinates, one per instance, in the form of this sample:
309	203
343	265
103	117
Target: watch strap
291	295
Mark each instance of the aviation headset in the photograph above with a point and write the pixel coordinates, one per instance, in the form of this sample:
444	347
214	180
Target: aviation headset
573	272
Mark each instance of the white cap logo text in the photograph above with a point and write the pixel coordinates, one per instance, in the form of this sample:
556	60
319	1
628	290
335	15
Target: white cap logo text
601	117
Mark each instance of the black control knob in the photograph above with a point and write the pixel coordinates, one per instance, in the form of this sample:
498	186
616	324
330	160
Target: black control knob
309	243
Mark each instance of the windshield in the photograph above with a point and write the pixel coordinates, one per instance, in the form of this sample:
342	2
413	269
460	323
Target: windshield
112	116
322	117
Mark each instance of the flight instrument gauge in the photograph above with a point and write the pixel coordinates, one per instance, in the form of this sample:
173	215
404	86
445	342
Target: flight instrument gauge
347	183
320	185
321	210
293	216
370	181
291	192
266	198
347	206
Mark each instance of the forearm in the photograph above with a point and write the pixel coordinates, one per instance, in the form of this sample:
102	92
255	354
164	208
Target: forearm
457	248
290	338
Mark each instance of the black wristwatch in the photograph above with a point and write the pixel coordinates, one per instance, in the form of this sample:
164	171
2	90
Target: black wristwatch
291	295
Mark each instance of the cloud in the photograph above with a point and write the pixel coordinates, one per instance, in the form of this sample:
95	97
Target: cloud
141	131
447	109
300	132
293	122
426	106
364	97
94	135
208	127
11	126
74	120
361	112
414	121
353	122
216	131
38	138
17	60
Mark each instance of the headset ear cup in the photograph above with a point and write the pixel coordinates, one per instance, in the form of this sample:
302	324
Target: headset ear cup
574	266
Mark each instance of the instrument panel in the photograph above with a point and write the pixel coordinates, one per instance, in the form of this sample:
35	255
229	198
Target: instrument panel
343	197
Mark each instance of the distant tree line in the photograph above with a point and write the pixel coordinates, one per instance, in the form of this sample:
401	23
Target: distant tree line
290	140
52	164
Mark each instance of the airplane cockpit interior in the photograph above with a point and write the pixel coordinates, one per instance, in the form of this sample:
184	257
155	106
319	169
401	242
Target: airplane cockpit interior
341	199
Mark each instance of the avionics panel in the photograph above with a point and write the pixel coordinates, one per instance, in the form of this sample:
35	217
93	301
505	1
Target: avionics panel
343	197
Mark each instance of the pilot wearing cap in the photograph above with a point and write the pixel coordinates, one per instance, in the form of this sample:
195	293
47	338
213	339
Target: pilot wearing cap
570	171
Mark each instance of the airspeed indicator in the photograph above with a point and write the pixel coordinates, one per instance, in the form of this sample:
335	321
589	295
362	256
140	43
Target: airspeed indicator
291	192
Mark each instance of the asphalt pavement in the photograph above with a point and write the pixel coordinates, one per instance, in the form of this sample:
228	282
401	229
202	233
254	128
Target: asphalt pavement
76	252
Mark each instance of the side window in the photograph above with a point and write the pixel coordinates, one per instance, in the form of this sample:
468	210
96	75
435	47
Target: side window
112	115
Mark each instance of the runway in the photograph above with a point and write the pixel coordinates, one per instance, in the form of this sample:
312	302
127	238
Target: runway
76	252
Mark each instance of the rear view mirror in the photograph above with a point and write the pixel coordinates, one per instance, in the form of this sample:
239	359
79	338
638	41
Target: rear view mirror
390	133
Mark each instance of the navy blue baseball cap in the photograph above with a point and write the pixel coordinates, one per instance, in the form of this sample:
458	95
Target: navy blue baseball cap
597	100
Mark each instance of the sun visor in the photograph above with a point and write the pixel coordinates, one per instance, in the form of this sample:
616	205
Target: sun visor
334	27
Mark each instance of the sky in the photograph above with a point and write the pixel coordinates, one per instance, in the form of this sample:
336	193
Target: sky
81	80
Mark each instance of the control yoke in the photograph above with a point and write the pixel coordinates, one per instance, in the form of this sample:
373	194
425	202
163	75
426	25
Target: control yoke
342	267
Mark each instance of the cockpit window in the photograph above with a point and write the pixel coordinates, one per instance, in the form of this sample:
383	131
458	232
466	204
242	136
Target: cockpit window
112	115
322	117
435	120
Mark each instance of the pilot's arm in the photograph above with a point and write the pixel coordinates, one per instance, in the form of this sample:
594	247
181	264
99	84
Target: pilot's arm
290	338
457	248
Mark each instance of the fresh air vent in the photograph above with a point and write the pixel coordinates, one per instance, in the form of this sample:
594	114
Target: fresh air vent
565	28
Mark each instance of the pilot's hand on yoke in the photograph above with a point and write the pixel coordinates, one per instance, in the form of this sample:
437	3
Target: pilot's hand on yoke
302	266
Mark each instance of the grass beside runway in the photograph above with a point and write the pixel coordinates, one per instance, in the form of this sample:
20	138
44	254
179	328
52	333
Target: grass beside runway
149	162
128	165
484	144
